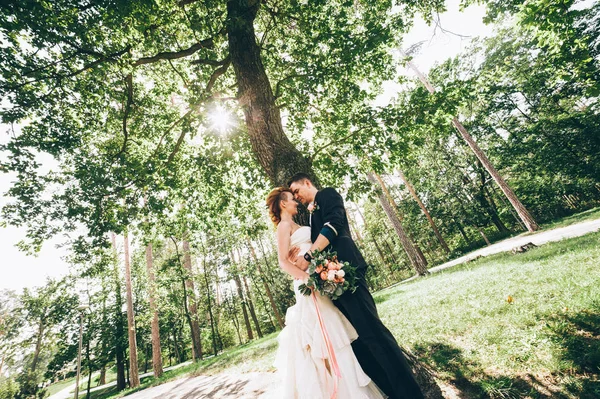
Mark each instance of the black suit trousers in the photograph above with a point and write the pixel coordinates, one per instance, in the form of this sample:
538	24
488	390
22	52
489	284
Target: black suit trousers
376	348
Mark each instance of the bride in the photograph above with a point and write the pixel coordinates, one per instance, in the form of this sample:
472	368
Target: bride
314	358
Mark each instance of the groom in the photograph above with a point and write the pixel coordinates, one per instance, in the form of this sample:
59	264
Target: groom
376	348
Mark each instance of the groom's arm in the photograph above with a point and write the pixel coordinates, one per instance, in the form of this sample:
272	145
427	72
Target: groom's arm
332	210
331	206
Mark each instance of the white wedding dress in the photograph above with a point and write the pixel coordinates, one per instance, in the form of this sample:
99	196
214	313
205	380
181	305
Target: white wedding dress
302	352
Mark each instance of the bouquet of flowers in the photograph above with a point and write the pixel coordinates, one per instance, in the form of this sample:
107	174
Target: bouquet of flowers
329	276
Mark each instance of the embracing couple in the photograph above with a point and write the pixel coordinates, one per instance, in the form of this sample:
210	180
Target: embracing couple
331	348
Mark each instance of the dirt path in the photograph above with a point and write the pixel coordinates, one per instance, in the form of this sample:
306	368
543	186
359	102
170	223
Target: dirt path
69	391
225	385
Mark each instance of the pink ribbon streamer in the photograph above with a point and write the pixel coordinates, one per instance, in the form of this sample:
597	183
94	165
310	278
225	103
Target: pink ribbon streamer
330	351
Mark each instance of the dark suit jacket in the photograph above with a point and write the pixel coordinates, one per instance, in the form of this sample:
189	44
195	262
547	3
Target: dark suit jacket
331	212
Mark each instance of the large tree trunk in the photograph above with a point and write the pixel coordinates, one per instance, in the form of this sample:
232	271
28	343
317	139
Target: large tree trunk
134	379
275	153
119	333
508	192
415	260
267	288
192	303
155	330
412	191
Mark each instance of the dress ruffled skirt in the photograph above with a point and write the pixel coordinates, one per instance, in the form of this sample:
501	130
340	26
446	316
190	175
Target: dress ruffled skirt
302	358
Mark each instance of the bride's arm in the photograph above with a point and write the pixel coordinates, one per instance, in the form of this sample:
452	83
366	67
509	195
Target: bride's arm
283	245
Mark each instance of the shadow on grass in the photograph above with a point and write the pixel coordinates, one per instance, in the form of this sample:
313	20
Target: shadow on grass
577	335
577	339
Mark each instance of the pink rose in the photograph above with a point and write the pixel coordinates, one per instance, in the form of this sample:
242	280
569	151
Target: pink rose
311	207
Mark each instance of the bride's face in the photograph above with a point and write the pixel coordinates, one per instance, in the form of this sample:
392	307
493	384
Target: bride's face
289	205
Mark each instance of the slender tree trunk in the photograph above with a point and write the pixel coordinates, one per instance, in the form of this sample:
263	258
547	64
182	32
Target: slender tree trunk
415	260
192	303
148	354
275	153
267	288
487	241
210	313
102	378
119	332
377	246
155	329
38	345
265	306
396	212
508	192
230	306
89	363
412	192
391	253
176	347
251	308
238	284
133	359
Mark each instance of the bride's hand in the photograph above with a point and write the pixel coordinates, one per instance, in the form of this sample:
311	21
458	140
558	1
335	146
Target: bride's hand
293	254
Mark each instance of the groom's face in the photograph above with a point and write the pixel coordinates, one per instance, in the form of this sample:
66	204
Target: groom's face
302	191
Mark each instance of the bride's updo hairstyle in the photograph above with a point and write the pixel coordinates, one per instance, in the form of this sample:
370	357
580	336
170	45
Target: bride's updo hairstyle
274	203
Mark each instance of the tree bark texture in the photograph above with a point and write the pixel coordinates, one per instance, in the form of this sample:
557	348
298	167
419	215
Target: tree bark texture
275	153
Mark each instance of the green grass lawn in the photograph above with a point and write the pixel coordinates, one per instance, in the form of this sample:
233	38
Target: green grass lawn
543	343
590	214
59	386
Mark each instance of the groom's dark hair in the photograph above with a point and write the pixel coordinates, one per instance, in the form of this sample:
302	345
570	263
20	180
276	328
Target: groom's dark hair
299	177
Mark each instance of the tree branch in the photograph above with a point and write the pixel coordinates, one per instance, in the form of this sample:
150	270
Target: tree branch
338	141
209	62
172	55
218	72
129	85
292	76
109	57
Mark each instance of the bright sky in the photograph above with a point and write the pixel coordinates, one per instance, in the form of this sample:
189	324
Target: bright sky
18	270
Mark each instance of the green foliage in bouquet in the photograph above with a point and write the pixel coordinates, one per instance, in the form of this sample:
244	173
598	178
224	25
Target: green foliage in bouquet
329	276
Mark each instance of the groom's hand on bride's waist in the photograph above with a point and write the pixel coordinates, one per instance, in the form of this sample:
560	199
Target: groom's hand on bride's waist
293	254
302	263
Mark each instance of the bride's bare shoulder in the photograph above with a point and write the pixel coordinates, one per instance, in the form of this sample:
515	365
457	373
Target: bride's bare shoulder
284	225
